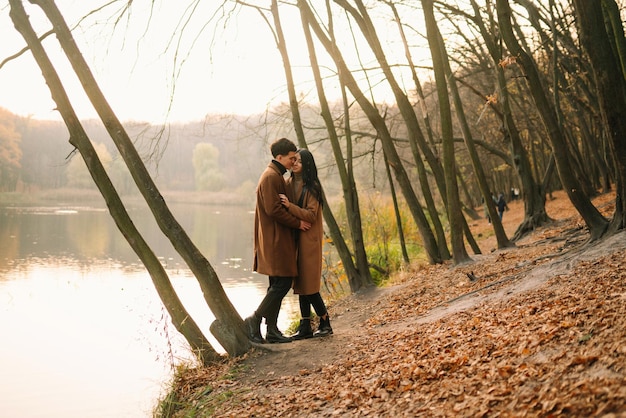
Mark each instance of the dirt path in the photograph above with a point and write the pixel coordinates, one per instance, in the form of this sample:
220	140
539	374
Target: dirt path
539	327
273	362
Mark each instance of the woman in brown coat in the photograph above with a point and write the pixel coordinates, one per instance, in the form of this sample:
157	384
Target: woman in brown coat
307	192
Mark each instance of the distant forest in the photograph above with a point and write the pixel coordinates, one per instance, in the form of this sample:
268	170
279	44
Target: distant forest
43	158
35	155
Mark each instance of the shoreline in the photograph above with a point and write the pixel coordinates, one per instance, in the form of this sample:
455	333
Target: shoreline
73	197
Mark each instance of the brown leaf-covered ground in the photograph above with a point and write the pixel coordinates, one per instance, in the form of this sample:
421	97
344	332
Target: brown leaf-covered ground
541	332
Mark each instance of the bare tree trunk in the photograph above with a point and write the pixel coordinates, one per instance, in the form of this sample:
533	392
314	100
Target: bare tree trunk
396	211
428	239
359	276
417	141
596	223
356	226
236	341
534	196
455	215
501	238
569	87
421	170
611	87
615	31
78	137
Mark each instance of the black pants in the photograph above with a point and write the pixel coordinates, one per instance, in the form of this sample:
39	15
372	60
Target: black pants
270	305
318	304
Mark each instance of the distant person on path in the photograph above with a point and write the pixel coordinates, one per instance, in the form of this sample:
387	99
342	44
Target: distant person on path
502	206
306	190
274	243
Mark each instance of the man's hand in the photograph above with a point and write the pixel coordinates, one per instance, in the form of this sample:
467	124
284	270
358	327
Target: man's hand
304	226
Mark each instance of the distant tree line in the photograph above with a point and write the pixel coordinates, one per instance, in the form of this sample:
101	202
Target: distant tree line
195	156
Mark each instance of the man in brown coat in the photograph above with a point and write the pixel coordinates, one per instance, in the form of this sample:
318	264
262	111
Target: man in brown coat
274	242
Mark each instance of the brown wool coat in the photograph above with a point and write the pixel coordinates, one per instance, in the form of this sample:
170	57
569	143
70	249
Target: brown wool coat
274	228
309	277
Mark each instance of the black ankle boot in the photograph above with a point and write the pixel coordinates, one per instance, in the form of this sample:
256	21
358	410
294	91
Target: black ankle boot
324	328
304	330
274	335
253	328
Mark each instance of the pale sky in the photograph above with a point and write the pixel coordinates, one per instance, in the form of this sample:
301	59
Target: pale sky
245	75
234	69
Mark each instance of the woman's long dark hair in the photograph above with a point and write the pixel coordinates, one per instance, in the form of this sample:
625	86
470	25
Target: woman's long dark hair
309	174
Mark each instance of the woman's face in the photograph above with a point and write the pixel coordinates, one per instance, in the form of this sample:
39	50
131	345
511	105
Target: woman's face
297	165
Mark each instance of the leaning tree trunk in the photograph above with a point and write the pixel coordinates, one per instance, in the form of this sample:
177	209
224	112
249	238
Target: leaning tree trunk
611	87
416	137
501	238
421	169
594	220
229	329
417	142
359	275
428	238
534	196
78	137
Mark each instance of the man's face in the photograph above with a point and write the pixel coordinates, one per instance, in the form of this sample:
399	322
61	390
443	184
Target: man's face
287	160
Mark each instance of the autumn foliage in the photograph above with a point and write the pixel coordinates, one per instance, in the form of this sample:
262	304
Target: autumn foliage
534	331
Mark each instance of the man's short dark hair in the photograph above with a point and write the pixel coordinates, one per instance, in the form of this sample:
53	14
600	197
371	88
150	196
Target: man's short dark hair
282	146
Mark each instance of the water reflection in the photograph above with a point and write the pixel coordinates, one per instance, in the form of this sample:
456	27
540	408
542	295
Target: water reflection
83	331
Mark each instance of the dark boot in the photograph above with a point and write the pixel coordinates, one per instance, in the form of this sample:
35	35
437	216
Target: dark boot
253	328
304	330
324	328
274	335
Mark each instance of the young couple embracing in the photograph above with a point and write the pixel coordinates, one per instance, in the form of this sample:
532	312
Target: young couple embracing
288	238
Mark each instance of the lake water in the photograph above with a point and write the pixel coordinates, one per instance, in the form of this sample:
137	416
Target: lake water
82	330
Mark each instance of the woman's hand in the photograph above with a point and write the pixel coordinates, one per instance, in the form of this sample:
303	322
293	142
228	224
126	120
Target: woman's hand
284	200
